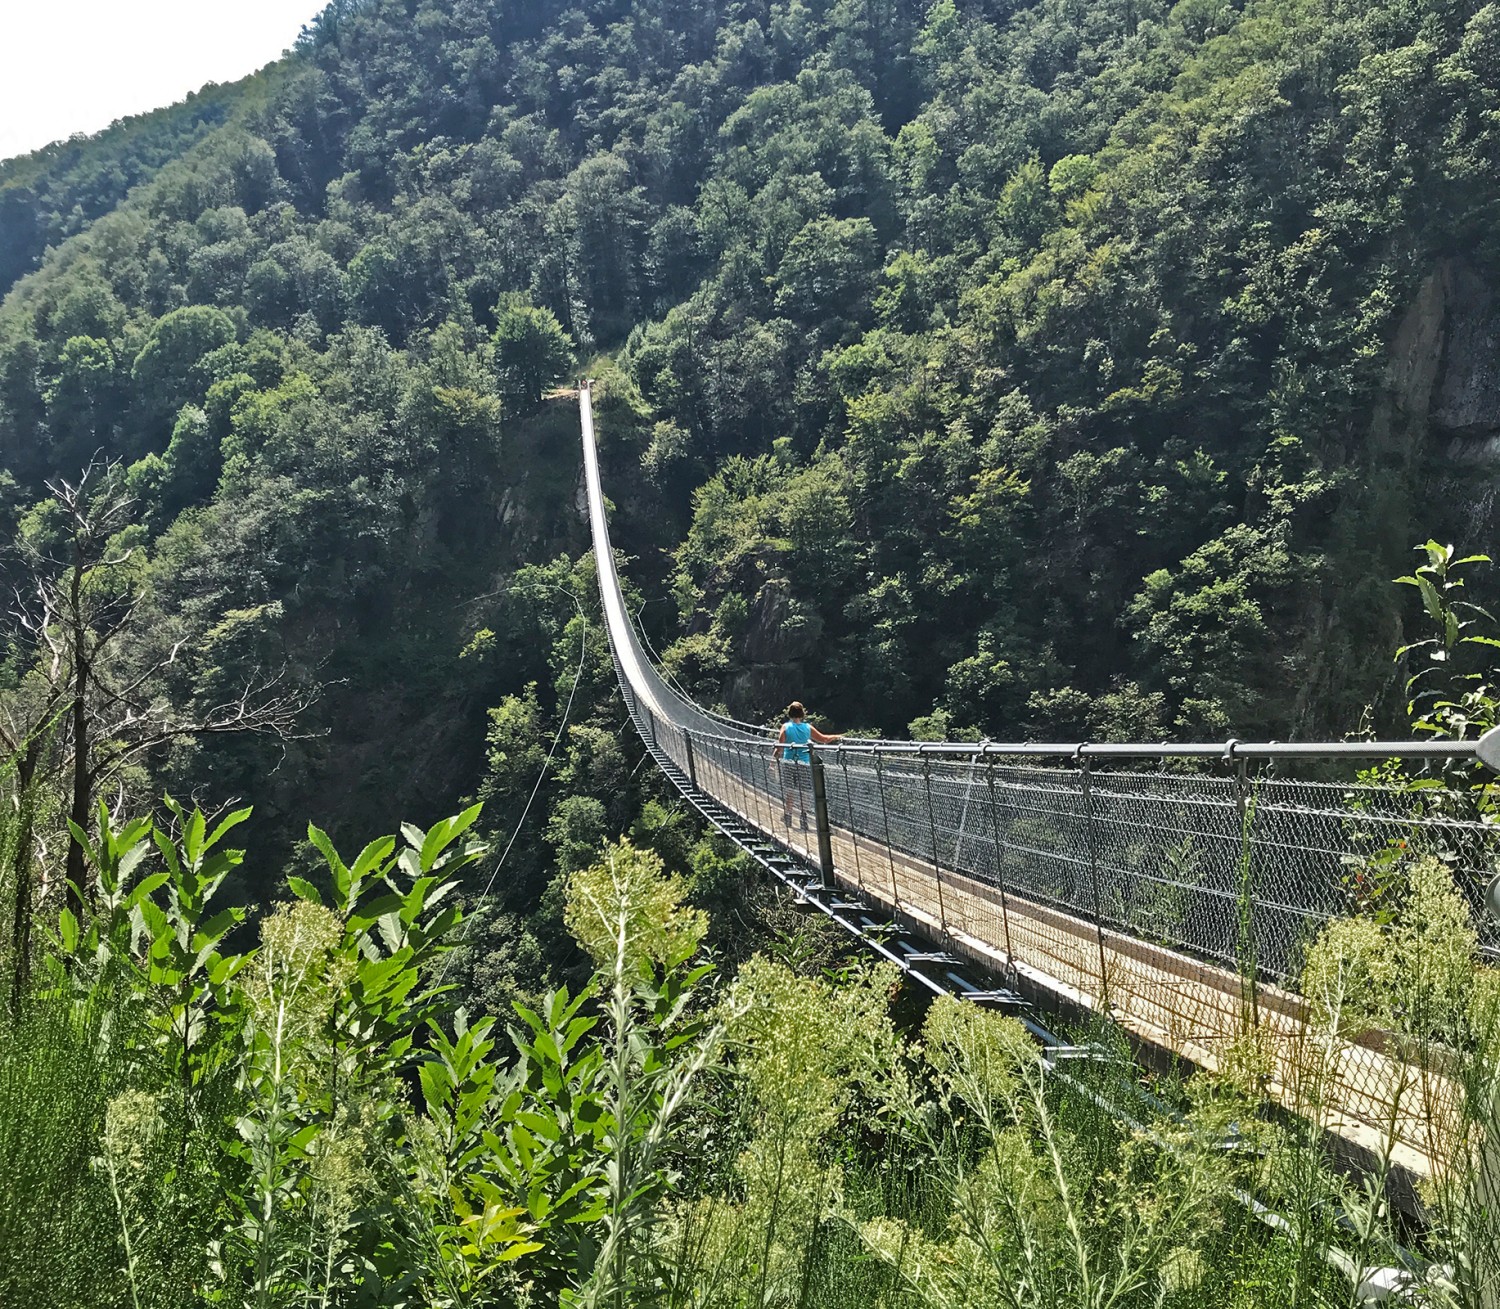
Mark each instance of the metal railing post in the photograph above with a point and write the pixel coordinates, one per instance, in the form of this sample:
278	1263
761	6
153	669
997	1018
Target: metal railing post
1000	849
692	766
820	818
1089	824
1244	898
937	866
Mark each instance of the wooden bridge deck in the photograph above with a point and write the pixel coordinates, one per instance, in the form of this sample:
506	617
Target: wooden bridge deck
1202	1013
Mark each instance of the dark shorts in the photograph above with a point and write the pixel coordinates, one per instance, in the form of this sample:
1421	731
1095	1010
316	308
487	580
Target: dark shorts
796	778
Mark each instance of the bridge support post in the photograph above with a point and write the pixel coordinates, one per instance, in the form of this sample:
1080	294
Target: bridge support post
820	819
692	767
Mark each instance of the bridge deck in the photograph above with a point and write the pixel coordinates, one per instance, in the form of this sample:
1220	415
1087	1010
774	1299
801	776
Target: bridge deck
1197	1011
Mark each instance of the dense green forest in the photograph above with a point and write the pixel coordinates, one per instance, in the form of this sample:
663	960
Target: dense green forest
1070	369
1059	370
1062	370
1052	370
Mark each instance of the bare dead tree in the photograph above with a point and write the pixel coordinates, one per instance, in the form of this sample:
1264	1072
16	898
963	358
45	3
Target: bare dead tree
27	748
90	705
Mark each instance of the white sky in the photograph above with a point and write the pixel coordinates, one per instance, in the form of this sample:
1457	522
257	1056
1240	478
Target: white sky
77	65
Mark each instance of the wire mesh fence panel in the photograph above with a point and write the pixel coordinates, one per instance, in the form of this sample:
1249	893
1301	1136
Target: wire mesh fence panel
1170	860
1240	873
1114	883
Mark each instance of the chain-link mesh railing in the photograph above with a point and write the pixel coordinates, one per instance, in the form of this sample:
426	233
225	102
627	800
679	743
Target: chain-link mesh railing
1180	900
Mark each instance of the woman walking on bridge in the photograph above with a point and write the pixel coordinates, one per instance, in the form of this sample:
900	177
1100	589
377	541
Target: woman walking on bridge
796	758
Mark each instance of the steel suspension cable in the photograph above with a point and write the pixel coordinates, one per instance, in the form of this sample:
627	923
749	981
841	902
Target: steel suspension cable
583	651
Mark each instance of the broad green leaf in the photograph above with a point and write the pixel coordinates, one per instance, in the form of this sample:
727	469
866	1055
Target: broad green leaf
192	837
1430	599
341	875
304	890
229	822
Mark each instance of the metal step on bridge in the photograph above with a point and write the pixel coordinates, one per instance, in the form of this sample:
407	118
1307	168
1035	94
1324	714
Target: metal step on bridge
1112	880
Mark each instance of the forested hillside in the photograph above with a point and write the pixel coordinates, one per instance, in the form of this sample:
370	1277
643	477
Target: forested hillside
1068	369
56	192
1077	368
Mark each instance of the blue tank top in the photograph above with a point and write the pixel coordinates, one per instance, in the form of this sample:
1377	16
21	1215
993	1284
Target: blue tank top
797	734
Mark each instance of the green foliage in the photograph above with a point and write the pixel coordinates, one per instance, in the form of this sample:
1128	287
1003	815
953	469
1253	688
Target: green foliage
575	830
342	1137
657	931
164	370
1412	969
307	1035
531	352
998	369
1046	384
1446	695
1207	626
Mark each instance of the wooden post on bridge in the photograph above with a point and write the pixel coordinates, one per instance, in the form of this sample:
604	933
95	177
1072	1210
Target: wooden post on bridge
687	741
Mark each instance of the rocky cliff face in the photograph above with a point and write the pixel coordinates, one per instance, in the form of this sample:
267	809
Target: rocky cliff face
1443	379
1432	470
778	637
1466	397
1445	394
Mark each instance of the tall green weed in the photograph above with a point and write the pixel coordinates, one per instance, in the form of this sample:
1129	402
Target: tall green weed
191	1118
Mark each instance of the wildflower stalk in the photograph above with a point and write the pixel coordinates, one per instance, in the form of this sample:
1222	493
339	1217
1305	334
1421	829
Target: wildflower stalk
124	1221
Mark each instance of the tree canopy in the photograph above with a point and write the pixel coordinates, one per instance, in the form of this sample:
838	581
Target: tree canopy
1020	368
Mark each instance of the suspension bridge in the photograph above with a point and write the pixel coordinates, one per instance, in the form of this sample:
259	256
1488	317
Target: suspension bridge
1172	888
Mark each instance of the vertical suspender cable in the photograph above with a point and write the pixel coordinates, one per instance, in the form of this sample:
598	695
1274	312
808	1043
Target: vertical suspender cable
937	865
1000	856
1091	836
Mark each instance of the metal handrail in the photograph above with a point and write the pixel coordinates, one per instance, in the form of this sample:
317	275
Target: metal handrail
1226	750
1221	750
